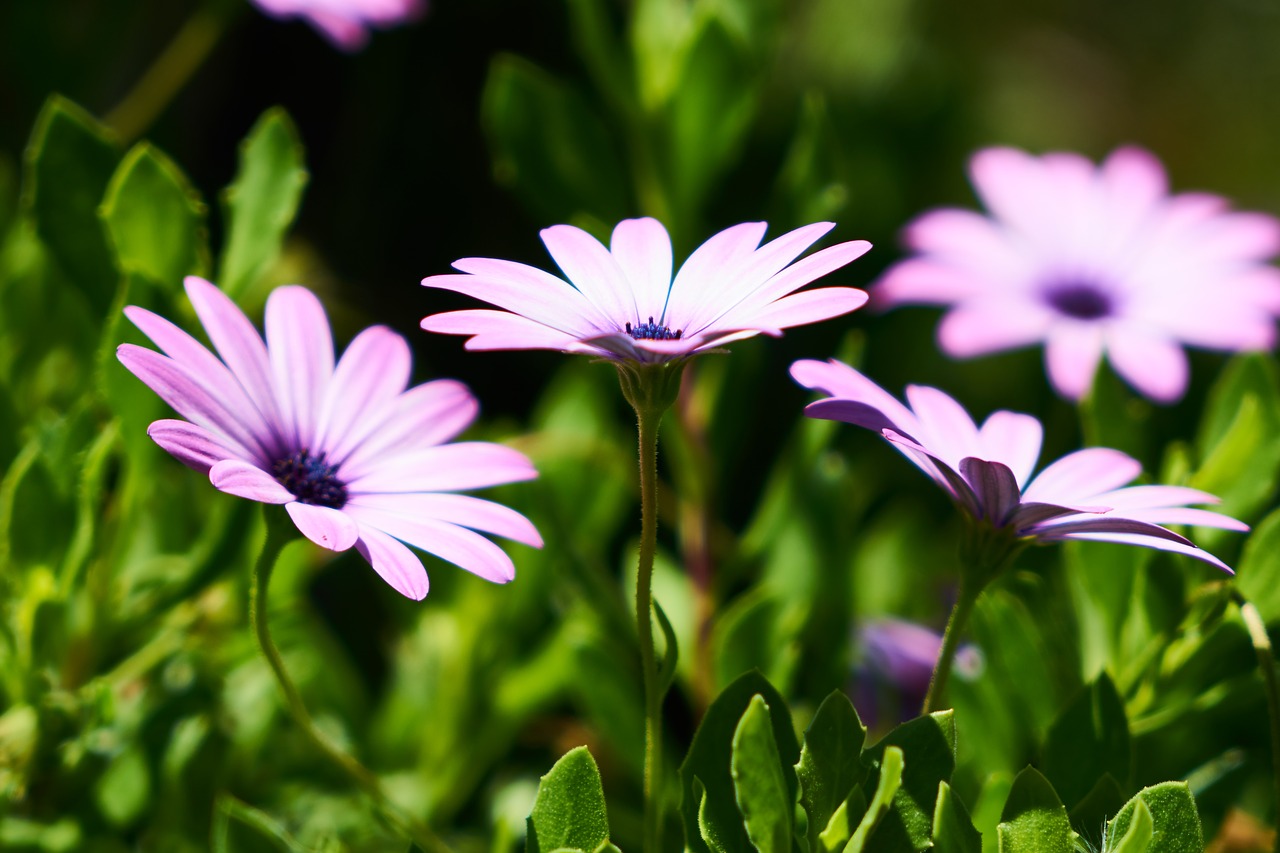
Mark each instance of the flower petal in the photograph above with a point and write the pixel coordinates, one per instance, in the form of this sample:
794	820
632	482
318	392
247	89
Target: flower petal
528	291
1188	516
499	330
995	486
424	416
1156	366
236	477
193	446
327	527
393	562
840	380
463	510
300	345
985	326
451	467
852	412
1013	439
1083	476
720	254
1072	353
373	371
447	541
939	471
593	271
1184	548
943	425
642	249
1031	514
798	309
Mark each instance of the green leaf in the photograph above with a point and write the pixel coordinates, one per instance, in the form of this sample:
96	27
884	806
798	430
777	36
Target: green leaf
570	809
760	783
711	818
1089	738
1258	575
953	830
1139	835
1089	816
1034	820
69	162
830	761
1175	821
154	219
549	145
839	828
887	786
928	744
124	788
261	202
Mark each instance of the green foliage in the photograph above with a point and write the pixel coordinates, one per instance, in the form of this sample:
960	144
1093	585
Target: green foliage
1034	819
569	813
763	786
1168	813
888	784
928	745
830	761
1089	738
953	830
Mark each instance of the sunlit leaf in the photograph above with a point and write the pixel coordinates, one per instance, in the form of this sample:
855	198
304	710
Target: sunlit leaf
570	809
760	781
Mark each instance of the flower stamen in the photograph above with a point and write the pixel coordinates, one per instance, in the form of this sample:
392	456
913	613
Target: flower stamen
311	479
651	331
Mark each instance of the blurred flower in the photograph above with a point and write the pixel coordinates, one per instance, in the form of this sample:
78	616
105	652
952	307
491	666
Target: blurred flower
987	470
346	23
355	459
620	302
897	658
1088	259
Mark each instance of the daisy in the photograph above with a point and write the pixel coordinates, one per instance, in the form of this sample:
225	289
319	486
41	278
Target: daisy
987	470
621	302
355	459
1090	260
346	23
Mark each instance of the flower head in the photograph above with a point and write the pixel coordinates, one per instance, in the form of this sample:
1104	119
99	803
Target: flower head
987	470
355	459
346	23
1090	259
621	302
895	662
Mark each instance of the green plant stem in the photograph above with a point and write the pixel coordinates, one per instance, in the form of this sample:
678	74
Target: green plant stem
279	533
647	427
959	619
170	72
1266	662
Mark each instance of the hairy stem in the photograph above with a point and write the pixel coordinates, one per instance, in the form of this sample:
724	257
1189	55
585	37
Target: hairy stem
647	427
1266	662
958	621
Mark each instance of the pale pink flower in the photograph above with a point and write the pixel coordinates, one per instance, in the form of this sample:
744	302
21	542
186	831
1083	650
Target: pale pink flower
354	457
621	302
1090	260
346	23
987	470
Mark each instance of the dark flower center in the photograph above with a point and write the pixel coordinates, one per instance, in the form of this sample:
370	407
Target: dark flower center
651	331
311	479
1080	300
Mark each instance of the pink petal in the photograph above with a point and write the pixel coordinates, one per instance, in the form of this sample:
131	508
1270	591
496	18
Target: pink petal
343	32
992	325
1016	187
373	371
943	425
720	254
462	510
970	241
239	478
499	330
798	309
1150	497
422	417
451	467
1030	515
1013	439
938	470
327	527
1155	366
592	270
840	380
301	349
447	541
642	249
1062	527
193	446
1187	549
1072	353
527	291
1187	516
852	412
930	282
1082	476
393	562
995	487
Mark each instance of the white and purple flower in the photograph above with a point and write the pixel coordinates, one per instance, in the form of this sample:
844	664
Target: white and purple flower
345	23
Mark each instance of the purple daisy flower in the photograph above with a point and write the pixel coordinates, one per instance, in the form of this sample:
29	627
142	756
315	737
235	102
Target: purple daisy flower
355	459
1090	260
897	658
987	470
346	23
621	302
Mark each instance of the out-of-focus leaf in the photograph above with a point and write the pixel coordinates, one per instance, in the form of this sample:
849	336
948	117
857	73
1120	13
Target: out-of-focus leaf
1089	738
953	830
611	699
809	186
61	836
570	809
744	636
69	161
1245	375
1258	575
887	786
1034	819
549	145
1089	816
990	802
262	200
928	747
1113	416
1137	839
714	814
155	219
830	761
760	781
601	49
124	788
1176	823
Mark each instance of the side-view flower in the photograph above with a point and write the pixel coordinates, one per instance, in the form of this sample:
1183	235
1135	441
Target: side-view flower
987	470
1090	260
355	458
346	23
621	302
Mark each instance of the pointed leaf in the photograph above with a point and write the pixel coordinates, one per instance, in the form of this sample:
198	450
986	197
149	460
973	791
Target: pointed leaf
766	801
261	202
886	789
1089	738
1034	819
1137	839
1175	821
830	760
570	808
953	830
154	219
1089	816
928	745
843	821
1258	574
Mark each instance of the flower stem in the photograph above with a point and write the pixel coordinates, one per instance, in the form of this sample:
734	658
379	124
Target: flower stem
647	426
170	71
1266	662
959	619
279	533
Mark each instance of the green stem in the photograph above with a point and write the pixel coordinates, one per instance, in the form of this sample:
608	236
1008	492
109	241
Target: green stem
647	426
1266	662
170	72
956	624
279	533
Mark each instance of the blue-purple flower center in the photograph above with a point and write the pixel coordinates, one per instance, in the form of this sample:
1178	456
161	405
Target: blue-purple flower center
1080	300
651	331
311	479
